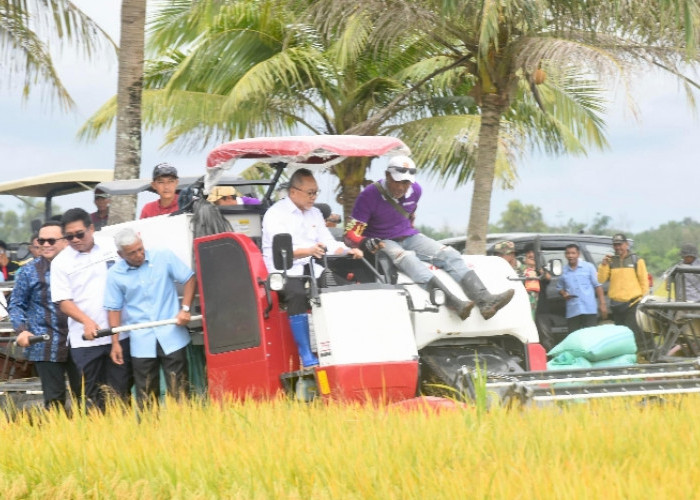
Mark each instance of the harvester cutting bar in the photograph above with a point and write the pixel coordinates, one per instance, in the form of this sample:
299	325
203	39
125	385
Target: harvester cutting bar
658	370
644	388
588	383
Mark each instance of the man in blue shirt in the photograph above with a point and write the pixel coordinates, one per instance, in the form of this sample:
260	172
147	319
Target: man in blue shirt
141	289
579	285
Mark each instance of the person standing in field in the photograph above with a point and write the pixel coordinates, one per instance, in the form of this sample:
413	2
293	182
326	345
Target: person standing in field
141	288
78	277
579	286
689	283
33	313
629	282
101	216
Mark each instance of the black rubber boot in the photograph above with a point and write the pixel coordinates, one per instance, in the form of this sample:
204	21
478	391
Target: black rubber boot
487	303
462	307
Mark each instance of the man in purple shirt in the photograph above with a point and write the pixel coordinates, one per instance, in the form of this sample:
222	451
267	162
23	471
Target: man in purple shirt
382	219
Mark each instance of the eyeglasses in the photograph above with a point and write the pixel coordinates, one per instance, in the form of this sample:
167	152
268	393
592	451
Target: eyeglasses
52	241
310	194
403	170
79	234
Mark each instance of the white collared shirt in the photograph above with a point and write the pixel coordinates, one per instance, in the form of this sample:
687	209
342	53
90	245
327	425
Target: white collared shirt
81	277
307	228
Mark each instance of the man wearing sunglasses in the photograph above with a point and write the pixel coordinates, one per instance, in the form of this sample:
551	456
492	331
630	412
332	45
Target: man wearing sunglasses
382	220
78	277
33	313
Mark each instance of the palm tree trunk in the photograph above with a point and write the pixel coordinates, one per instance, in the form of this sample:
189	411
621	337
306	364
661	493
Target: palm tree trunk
127	164
351	174
491	110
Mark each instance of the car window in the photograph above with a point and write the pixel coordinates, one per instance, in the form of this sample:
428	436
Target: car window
548	254
598	251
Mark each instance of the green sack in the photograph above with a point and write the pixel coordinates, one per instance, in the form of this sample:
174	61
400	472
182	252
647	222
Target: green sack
598	342
623	360
566	361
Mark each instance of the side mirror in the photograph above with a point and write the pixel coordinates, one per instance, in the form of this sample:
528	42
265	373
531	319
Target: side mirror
282	251
555	267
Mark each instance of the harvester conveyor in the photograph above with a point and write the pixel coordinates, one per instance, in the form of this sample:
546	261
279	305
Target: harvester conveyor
587	383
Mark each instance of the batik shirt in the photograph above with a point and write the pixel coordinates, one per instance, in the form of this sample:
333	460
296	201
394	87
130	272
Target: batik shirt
31	310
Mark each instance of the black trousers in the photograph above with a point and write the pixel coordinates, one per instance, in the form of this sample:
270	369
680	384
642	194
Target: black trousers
626	315
294	296
53	381
147	375
100	375
581	321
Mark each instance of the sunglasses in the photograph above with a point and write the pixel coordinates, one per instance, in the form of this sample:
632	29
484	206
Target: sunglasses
79	234
403	170
50	241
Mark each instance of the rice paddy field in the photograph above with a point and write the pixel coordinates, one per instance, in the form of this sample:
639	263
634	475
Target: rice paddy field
283	449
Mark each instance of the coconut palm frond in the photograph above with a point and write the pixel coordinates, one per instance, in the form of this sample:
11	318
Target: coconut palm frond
446	147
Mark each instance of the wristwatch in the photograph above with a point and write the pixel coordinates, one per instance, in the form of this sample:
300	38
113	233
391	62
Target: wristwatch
185	308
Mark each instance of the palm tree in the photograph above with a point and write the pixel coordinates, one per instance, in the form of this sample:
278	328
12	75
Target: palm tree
509	46
255	68
127	161
28	27
251	67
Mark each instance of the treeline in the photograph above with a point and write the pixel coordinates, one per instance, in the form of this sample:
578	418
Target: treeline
659	247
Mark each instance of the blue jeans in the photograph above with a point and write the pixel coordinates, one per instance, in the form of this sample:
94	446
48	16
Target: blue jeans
410	253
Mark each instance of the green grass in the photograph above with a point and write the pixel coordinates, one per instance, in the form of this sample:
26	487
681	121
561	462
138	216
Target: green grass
281	449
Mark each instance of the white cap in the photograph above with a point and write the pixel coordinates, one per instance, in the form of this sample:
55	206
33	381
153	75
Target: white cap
398	163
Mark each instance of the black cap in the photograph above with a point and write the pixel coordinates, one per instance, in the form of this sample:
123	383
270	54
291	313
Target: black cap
619	238
163	170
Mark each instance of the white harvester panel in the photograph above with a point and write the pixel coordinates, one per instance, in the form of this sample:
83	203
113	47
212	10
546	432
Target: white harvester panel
515	319
363	326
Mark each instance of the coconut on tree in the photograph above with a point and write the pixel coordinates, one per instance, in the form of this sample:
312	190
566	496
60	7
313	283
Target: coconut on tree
510	46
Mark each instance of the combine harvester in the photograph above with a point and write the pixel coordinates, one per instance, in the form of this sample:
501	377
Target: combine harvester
378	336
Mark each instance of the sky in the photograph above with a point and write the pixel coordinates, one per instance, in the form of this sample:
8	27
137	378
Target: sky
644	179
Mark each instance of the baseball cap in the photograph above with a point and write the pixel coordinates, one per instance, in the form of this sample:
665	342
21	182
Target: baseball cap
401	168
101	194
163	170
219	192
504	247
619	238
689	250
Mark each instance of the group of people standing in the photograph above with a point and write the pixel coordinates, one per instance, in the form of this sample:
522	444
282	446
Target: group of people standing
580	284
75	288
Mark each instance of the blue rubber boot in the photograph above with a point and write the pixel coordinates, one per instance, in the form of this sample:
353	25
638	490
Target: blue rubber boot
300	332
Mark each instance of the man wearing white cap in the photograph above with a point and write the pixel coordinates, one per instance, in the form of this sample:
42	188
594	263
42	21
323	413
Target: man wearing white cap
382	219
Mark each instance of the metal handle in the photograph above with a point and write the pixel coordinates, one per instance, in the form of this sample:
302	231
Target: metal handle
33	339
104	332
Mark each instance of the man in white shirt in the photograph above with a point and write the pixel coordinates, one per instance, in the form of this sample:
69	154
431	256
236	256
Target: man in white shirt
297	216
78	277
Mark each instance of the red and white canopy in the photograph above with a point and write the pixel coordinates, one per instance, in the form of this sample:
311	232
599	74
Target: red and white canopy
316	150
324	150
